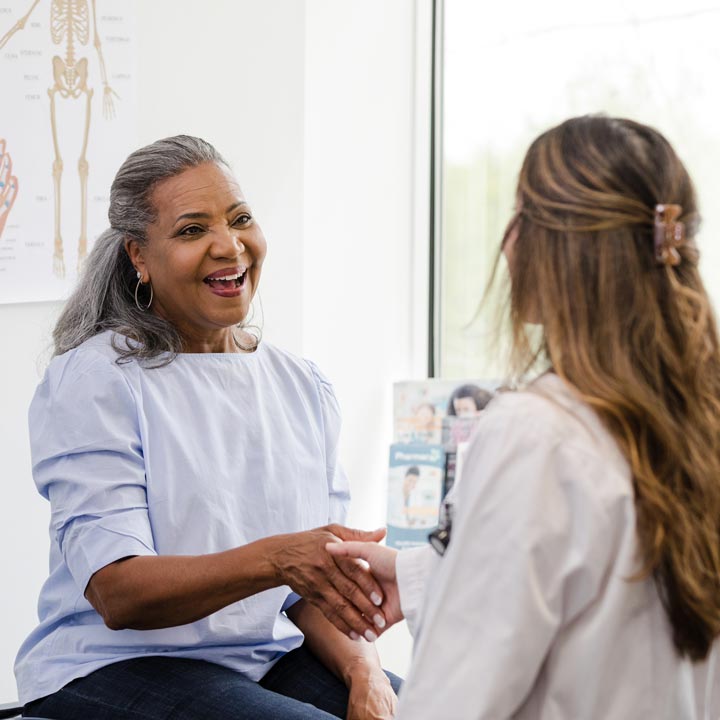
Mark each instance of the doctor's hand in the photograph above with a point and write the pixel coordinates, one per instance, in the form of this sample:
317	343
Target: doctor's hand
381	560
341	587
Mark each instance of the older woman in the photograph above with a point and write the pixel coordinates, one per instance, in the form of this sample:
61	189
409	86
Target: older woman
186	464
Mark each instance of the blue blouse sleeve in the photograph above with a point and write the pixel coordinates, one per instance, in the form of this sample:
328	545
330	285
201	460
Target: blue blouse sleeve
88	462
338	486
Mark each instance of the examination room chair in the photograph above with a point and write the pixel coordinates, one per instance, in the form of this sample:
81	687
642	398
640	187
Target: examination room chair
13	710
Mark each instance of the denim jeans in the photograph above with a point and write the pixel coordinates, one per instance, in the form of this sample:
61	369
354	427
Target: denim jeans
298	687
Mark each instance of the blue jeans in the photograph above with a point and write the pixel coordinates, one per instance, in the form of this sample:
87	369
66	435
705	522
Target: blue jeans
297	687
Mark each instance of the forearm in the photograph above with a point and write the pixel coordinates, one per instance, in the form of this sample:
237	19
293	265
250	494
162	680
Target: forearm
349	660
98	46
146	592
150	592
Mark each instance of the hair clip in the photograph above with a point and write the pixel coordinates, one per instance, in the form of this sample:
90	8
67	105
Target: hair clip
669	234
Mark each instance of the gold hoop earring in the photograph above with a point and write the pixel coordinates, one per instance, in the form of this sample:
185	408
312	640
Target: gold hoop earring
137	289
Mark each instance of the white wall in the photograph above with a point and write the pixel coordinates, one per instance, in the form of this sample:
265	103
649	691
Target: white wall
312	104
357	260
25	332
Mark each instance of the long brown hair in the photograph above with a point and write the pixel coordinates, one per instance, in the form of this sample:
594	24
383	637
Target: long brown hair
637	339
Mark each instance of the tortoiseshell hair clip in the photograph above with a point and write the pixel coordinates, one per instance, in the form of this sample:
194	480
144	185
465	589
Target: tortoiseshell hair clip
669	234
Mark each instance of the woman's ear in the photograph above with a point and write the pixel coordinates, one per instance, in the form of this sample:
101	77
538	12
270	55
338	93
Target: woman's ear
135	253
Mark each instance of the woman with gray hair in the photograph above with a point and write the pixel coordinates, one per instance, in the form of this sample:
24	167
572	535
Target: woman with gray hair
191	472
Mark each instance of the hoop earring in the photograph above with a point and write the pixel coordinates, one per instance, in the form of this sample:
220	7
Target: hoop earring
137	301
247	325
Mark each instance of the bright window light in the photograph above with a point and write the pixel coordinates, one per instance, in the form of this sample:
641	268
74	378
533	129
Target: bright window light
514	69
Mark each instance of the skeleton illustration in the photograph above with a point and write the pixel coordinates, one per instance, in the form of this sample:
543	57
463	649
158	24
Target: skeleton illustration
70	27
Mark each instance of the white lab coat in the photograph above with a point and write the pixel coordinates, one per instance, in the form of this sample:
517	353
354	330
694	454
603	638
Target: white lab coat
530	614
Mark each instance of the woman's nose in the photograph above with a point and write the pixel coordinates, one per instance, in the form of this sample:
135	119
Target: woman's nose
229	243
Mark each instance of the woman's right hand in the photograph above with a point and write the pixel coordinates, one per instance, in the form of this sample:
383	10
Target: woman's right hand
149	592
381	560
340	586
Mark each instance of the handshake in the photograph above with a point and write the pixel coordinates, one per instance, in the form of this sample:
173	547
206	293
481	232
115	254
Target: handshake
346	574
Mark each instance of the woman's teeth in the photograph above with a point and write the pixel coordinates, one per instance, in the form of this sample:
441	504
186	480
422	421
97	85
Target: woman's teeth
236	278
227	278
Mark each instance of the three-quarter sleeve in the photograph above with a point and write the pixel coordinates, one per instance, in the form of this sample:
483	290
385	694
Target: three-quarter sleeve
88	462
338	485
529	550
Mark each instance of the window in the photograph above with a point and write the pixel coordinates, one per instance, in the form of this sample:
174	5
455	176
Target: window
511	70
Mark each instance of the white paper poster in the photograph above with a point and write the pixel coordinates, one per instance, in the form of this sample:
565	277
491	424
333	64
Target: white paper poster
67	121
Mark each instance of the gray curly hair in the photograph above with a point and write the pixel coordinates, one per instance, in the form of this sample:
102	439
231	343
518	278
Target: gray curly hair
104	298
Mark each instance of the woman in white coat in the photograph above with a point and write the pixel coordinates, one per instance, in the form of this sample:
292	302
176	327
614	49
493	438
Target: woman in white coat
579	570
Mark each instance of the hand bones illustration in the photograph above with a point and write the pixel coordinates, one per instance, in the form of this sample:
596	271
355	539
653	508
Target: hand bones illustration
8	186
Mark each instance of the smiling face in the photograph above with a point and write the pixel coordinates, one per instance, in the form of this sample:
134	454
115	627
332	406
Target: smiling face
203	256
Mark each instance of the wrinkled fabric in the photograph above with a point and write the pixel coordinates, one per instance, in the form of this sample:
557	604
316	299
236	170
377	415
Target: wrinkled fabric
298	687
530	614
208	453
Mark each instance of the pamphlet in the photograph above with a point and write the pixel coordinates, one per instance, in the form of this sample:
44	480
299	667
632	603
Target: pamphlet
414	492
432	418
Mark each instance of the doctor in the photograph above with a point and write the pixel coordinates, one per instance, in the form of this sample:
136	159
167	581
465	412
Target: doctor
579	570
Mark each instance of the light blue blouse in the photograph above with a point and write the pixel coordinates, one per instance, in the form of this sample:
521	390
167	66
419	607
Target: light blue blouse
205	454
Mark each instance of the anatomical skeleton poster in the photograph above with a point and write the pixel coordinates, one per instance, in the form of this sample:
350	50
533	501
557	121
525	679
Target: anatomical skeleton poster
67	121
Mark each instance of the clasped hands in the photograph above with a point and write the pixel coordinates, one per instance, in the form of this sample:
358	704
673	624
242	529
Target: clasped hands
346	574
